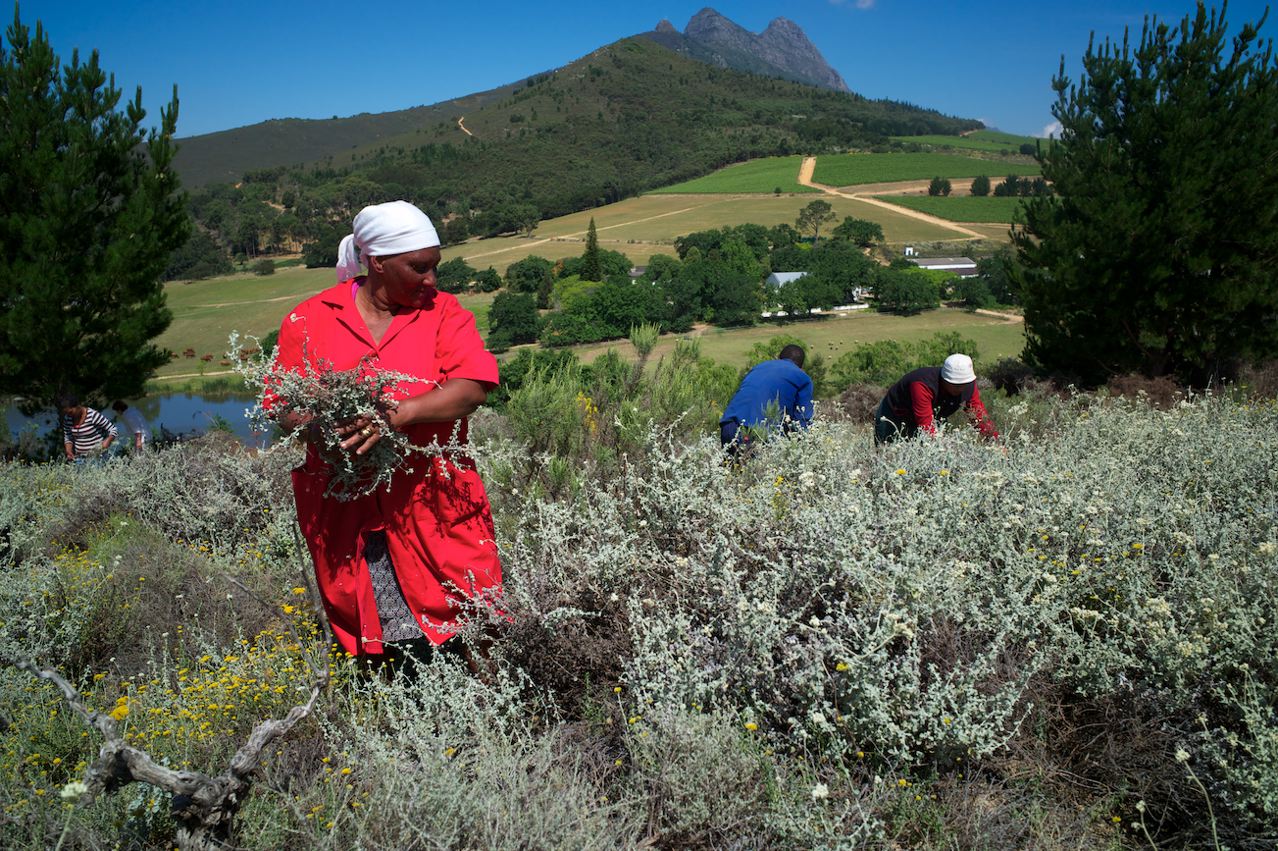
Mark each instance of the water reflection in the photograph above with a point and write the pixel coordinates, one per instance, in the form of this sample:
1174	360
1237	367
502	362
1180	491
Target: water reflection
179	413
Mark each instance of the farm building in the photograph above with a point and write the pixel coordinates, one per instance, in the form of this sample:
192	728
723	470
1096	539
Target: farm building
780	279
964	267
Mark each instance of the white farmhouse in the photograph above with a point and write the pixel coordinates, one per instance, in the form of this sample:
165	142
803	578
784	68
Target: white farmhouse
964	267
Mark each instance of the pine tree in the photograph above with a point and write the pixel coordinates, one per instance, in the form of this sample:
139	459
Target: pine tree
813	217
591	265
90	212
1156	252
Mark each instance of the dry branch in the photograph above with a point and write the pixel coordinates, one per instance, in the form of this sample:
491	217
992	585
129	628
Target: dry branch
203	806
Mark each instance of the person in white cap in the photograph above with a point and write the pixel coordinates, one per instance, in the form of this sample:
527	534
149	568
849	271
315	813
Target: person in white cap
921	397
393	566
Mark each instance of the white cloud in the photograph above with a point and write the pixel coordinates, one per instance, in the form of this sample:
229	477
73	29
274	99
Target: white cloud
864	5
1051	130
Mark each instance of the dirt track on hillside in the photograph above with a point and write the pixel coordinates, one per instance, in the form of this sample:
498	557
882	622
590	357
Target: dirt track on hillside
864	195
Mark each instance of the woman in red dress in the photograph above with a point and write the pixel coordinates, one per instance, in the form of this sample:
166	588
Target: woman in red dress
397	564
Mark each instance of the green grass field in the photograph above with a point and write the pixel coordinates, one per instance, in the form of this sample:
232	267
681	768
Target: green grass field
854	169
960	208
995	338
765	175
206	312
989	141
640	227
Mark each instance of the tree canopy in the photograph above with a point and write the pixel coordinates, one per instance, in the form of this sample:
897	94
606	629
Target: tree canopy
1156	253
813	217
90	212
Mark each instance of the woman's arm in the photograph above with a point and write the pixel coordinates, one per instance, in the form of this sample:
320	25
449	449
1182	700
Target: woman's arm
454	399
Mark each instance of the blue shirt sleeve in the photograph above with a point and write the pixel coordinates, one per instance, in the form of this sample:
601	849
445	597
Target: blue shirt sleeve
802	412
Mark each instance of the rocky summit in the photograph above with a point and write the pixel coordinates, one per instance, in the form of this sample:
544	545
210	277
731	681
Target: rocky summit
781	50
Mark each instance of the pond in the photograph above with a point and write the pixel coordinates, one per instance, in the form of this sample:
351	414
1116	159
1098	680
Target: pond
179	413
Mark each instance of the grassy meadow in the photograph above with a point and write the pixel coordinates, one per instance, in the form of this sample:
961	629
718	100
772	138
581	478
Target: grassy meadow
830	337
206	312
960	208
854	169
988	141
762	175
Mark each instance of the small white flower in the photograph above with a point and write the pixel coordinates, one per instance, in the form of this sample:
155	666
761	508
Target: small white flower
820	792
73	790
1182	755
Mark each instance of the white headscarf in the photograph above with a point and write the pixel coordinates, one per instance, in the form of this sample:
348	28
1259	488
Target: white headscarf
384	229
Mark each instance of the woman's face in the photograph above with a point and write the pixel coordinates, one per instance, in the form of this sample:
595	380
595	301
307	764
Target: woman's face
407	280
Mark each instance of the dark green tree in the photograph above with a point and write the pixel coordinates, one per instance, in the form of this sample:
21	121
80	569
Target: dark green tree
525	218
90	214
454	276
1155	253
488	280
905	292
733	289
531	275
859	232
782	236
1009	187
704	241
512	319
612	264
939	186
591	268
199	257
813	217
981	186
996	272
973	292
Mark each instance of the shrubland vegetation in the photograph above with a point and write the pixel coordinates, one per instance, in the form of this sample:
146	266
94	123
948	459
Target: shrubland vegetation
1061	640
931	645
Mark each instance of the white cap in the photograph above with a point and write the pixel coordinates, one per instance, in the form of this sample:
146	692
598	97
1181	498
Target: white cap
957	369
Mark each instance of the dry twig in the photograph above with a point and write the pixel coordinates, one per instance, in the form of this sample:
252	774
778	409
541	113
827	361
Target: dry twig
203	806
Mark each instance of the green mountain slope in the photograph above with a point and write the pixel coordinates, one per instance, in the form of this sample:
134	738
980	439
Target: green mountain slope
629	117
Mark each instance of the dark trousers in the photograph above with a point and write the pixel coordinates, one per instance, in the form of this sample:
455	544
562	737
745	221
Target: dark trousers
733	436
887	428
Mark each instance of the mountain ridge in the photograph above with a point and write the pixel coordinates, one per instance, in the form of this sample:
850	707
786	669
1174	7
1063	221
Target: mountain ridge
783	49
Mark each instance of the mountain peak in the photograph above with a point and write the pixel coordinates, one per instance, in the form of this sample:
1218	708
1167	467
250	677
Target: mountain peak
783	25
781	50
709	24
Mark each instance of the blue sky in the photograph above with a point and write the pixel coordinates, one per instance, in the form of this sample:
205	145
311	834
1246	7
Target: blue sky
238	63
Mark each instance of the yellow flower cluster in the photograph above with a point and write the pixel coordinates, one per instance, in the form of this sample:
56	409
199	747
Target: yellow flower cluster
213	701
589	412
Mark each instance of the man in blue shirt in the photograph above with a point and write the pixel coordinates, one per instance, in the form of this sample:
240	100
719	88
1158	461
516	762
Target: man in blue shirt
776	395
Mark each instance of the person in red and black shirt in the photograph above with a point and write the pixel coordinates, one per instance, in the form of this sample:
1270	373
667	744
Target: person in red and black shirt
929	393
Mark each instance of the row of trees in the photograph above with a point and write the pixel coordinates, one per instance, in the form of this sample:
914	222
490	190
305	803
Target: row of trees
1011	187
717	277
1153	253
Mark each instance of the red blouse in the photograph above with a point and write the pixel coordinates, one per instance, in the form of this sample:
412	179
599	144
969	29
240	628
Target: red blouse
439	530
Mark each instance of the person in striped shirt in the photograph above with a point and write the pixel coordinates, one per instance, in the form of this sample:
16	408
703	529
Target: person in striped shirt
85	432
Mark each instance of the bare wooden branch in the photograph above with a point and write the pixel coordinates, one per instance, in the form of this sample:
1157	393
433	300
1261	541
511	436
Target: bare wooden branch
203	806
